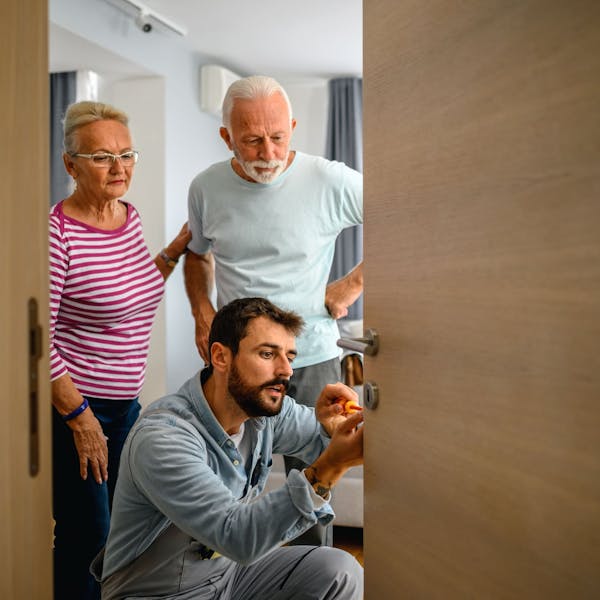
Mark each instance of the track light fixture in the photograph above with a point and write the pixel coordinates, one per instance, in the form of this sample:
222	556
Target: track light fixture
145	18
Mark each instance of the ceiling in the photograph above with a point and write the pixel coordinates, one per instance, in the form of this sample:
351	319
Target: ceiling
70	52
308	38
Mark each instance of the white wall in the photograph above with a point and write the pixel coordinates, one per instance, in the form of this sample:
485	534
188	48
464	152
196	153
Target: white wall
309	98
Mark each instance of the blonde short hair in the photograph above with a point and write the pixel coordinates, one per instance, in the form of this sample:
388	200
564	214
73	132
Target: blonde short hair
83	113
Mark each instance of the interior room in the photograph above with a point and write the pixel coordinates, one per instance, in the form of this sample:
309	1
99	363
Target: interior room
170	77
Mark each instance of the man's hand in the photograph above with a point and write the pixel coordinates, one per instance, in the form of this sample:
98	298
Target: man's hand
199	275
202	333
330	406
346	447
344	451
342	293
90	443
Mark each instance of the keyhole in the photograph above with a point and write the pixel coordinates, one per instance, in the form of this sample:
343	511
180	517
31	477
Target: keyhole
371	391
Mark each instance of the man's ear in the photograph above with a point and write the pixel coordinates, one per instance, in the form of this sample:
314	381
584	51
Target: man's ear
226	137
220	356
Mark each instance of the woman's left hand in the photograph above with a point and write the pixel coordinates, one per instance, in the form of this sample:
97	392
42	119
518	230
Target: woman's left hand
173	252
91	446
180	241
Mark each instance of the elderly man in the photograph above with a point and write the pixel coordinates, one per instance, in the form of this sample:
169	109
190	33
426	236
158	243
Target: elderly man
189	520
266	222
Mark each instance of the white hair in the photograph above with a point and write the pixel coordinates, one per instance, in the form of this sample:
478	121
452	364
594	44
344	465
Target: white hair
250	88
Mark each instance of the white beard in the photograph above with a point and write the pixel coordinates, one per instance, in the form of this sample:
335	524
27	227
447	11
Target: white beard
250	168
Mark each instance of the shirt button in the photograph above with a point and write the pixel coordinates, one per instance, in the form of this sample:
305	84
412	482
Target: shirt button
236	462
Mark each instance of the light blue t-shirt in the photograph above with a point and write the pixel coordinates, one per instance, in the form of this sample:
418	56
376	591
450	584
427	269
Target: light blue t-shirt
276	240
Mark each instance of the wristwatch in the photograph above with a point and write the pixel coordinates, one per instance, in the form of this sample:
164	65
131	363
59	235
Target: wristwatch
170	262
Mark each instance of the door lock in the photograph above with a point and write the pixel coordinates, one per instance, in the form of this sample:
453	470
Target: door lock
371	395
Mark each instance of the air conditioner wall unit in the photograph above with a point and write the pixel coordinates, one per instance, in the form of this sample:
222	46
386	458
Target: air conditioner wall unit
214	83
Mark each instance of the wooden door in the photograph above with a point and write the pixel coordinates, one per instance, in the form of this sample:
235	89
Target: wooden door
482	253
25	476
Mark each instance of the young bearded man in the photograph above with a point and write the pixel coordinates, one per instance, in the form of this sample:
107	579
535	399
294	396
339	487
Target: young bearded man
189	520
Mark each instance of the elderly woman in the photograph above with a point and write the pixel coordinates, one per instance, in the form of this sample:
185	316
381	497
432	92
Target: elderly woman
104	292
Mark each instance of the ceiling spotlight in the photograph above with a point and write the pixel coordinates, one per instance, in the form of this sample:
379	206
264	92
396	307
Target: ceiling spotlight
143	21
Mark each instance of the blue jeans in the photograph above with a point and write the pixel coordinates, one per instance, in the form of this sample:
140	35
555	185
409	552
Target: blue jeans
82	507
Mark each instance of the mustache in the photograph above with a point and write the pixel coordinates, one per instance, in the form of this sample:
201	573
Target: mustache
265	164
278	381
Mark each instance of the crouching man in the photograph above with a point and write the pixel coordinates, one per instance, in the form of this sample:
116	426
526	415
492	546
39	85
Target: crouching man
188	521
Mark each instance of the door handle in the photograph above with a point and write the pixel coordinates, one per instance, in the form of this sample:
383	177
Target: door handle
369	344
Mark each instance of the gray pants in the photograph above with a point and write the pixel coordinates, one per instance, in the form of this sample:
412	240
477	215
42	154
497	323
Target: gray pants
305	386
298	573
288	573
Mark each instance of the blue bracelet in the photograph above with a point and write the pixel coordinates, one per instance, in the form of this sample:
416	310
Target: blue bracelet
77	411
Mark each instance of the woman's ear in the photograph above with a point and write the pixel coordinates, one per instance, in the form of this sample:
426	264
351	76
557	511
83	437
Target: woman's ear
220	356
70	165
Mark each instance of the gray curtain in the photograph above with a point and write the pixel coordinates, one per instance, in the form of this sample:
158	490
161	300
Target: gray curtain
63	90
344	143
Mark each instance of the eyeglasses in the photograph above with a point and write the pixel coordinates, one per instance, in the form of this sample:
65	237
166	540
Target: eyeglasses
106	159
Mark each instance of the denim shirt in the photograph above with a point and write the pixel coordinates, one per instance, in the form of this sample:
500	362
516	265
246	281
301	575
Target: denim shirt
180	467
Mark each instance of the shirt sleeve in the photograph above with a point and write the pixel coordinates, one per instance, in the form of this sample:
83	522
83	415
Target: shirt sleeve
58	264
198	244
342	191
184	487
351	205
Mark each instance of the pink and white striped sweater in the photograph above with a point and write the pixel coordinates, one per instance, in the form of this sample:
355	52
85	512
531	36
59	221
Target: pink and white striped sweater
104	293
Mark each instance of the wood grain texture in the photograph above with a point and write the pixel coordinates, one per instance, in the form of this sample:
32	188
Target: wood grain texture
25	501
482	251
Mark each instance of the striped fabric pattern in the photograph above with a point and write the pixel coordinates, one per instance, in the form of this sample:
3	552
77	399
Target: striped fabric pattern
104	293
